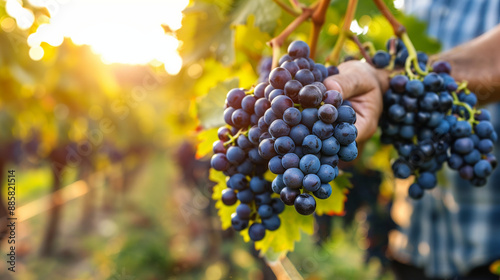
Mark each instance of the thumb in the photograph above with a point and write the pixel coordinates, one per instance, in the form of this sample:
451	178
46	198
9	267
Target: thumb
348	82
357	78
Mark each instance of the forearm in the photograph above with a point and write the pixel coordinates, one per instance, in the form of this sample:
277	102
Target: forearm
478	63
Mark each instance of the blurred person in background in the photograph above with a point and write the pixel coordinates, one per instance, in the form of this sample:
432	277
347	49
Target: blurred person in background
454	230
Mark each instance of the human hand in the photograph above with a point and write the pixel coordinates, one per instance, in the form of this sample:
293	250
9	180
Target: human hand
363	86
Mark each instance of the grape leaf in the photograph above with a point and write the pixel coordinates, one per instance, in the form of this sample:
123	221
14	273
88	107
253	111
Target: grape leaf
210	107
205	31
266	14
283	239
251	33
495	267
224	6
206	138
334	205
209	29
224	211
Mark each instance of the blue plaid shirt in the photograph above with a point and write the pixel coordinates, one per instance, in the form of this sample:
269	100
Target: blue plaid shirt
455	227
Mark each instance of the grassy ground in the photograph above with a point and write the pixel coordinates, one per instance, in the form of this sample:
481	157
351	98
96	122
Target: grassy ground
160	229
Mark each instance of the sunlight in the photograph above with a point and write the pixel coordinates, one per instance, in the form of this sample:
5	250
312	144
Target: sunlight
128	32
24	17
358	29
399	4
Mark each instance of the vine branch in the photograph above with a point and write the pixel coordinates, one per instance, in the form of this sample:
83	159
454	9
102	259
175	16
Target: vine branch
361	48
398	28
318	19
371	48
284	269
286	8
296	5
334	56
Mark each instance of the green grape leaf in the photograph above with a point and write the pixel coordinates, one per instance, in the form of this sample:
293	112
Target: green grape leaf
210	107
266	14
208	28
334	205
224	211
206	138
206	31
283	239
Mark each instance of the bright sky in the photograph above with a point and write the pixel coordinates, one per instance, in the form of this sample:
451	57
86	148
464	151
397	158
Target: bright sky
120	31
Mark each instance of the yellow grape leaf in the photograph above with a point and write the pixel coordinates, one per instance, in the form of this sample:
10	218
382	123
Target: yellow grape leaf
283	239
250	33
205	139
209	79
225	211
334	205
265	14
495	267
381	159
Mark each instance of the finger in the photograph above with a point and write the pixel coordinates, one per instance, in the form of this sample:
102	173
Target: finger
352	80
367	114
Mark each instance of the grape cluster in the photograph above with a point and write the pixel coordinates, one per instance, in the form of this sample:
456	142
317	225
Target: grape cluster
288	124
472	145
305	130
239	159
431	121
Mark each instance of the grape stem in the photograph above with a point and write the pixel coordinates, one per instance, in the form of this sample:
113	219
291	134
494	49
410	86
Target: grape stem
471	111
400	31
232	139
392	47
371	48
392	53
412	58
278	41
286	8
362	50
250	91
463	86
318	19
334	56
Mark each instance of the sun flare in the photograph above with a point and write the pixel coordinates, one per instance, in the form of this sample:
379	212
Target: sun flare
128	32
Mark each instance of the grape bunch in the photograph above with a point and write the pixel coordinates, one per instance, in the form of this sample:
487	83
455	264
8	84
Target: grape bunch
305	129
288	124
472	145
433	120
238	158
